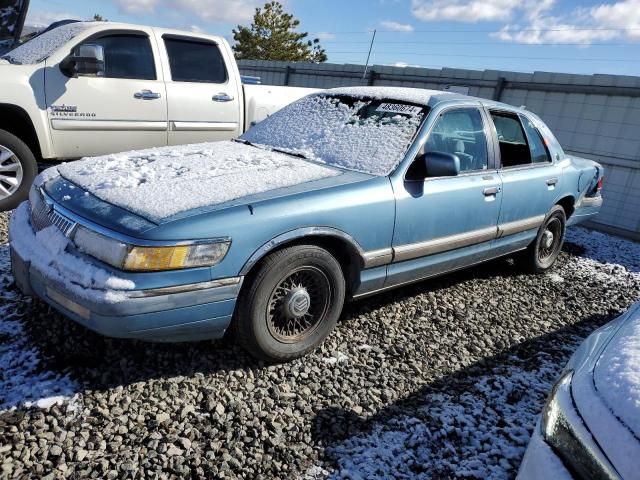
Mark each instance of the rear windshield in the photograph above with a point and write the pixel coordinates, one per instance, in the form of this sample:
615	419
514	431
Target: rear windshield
41	47
361	134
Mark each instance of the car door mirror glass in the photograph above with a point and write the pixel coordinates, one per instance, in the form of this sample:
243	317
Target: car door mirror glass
87	60
441	164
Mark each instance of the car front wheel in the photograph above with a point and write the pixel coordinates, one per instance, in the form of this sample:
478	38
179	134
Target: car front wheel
544	250
292	303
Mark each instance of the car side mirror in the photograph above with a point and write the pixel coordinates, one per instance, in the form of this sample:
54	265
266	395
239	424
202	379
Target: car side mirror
441	164
87	60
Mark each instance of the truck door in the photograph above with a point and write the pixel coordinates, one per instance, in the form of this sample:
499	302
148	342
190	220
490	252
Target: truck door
124	109
204	97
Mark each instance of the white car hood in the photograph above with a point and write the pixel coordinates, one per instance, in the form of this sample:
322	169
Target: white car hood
617	374
162	182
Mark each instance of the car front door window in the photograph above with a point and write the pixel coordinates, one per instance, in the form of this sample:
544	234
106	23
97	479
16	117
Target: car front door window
461	132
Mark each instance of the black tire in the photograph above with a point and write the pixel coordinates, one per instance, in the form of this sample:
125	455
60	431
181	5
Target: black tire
541	255
270	323
22	156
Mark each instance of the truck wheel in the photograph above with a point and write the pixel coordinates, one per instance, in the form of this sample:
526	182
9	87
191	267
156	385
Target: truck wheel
544	250
291	305
18	168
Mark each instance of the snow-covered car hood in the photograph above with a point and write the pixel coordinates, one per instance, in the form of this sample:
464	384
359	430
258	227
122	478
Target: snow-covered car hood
160	183
617	373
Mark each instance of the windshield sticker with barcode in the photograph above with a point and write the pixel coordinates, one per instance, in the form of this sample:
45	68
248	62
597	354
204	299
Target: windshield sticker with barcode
399	108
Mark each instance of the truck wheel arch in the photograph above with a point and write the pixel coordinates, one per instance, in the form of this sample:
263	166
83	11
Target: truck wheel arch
16	121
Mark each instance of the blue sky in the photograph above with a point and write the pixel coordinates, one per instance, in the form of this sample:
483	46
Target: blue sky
521	35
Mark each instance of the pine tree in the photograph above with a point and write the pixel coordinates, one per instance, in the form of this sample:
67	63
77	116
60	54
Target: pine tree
272	36
98	18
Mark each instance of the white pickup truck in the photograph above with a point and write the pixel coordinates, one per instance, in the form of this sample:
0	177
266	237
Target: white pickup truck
92	88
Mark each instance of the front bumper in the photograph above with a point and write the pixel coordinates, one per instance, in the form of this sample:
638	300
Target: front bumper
184	313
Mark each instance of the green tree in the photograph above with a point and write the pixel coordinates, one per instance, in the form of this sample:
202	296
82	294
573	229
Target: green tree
272	36
98	18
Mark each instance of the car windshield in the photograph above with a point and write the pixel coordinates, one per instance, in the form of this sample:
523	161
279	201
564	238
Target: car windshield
362	134
42	46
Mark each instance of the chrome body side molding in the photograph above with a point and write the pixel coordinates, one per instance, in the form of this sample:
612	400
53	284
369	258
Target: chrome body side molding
442	244
518	226
377	258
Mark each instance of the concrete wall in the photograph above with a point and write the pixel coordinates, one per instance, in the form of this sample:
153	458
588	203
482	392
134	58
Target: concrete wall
594	116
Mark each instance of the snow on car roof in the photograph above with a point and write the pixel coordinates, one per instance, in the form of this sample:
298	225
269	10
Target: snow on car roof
420	96
41	47
161	182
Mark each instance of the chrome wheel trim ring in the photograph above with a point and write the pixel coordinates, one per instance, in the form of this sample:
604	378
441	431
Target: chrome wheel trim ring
11	172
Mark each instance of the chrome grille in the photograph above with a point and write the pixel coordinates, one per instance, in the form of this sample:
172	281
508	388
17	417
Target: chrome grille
43	216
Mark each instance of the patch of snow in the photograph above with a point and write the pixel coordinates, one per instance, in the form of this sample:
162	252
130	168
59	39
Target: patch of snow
339	358
480	433
24	379
617	375
46	250
41	47
161	182
326	130
555	278
606	248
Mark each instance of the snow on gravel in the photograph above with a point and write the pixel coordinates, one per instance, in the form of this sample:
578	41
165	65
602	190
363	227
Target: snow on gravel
24	380
161	182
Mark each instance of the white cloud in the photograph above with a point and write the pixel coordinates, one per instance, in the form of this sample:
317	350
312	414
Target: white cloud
324	36
397	26
582	25
208	10
39	18
464	10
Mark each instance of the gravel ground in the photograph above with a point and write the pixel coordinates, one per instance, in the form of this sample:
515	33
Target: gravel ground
441	379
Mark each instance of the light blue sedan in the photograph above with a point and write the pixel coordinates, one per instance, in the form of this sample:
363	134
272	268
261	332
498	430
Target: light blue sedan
342	194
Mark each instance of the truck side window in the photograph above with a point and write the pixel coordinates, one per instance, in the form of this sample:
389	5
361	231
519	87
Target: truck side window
127	56
539	152
514	149
461	132
195	61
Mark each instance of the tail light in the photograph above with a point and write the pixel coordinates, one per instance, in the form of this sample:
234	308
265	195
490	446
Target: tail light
600	184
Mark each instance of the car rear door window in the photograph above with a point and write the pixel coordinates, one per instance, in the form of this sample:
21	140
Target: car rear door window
126	56
461	132
514	149
195	61
539	152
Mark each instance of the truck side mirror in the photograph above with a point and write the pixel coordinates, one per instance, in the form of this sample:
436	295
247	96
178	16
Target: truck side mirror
87	60
441	164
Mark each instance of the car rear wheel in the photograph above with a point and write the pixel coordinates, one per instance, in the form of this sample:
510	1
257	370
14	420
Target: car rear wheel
292	303
18	168
544	250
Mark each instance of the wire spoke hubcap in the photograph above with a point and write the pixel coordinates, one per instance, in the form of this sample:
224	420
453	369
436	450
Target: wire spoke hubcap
298	304
10	172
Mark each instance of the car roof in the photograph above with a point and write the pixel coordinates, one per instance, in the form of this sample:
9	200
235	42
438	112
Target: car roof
420	96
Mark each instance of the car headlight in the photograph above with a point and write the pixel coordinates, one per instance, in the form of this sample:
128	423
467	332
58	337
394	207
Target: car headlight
137	258
563	429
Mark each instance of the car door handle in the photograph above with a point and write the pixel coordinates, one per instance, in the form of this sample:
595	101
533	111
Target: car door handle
552	181
146	95
222	97
491	191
